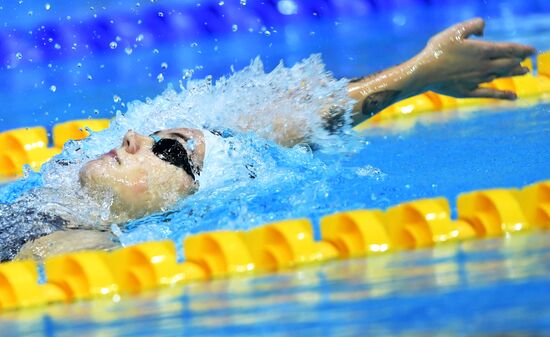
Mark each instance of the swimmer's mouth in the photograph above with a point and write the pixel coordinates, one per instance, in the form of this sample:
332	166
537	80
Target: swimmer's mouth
112	154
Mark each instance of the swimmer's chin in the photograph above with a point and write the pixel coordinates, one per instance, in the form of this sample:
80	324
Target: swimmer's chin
132	194
133	203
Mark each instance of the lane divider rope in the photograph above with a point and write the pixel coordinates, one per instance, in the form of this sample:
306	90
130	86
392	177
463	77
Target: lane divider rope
273	247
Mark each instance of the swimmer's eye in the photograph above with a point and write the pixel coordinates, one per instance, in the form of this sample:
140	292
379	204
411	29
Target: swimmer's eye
174	153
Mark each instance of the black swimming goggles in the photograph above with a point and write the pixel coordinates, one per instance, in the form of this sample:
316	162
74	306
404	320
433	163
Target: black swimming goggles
173	152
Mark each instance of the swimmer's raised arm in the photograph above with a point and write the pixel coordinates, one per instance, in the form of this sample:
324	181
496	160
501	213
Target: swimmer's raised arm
450	64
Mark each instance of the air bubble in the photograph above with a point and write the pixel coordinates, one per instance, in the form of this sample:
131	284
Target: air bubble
18	56
164	65
221	3
128	50
57	46
116	98
113	44
139	38
47	6
287	7
89	77
243	2
160	14
234	28
53	88
160	77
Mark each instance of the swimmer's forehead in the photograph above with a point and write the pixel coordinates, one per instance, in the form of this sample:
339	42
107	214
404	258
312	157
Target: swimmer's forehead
184	134
171	133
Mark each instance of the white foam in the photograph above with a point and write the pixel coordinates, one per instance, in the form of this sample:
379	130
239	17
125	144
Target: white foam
250	99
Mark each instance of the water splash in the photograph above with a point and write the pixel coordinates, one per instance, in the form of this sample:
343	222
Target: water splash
246	180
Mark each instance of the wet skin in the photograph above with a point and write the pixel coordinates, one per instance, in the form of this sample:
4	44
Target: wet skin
140	181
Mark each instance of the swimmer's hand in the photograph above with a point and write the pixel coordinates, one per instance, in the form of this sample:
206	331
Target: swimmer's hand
454	65
451	64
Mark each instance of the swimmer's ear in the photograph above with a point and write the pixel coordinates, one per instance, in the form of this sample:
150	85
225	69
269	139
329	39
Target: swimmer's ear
196	186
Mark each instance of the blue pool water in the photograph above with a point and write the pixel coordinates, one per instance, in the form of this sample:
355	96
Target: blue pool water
485	287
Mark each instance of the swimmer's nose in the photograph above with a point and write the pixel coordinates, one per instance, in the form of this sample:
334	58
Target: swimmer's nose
131	142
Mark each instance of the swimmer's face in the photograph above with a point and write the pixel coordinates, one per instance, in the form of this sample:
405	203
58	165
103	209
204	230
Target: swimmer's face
148	173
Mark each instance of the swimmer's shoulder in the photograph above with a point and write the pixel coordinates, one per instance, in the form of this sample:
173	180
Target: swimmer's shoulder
67	241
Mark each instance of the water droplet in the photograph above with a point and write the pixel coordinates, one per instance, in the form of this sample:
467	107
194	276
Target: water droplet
19	56
187	73
234	28
128	50
160	77
53	88
116	98
164	65
113	44
47	6
287	7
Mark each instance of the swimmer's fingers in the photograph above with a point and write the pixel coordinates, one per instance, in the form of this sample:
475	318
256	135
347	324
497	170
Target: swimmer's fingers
507	67
481	92
470	27
496	50
460	31
518	71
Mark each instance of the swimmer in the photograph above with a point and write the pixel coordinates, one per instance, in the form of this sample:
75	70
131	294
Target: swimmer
147	173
